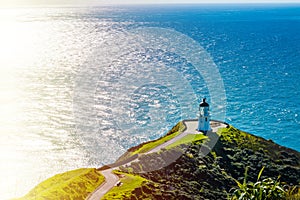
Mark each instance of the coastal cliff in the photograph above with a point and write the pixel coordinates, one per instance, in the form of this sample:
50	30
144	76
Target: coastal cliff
194	174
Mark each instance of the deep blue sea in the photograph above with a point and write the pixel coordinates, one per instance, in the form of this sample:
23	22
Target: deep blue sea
79	86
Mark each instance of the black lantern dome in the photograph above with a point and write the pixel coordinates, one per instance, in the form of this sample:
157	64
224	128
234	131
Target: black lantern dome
203	103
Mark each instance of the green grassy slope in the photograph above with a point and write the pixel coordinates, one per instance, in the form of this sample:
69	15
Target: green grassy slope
147	146
76	184
187	140
129	183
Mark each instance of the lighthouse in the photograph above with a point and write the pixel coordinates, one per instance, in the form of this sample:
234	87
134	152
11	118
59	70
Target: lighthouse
204	117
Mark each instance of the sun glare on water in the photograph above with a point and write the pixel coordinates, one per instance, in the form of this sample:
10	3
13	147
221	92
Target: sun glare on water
15	51
20	51
39	56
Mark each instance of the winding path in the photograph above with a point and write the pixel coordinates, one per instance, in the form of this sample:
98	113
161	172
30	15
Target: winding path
111	179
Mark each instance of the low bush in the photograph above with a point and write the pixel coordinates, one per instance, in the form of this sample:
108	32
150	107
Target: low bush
266	189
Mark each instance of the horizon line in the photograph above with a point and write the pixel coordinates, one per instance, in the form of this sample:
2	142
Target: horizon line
149	4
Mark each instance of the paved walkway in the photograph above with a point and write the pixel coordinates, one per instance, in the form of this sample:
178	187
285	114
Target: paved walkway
111	179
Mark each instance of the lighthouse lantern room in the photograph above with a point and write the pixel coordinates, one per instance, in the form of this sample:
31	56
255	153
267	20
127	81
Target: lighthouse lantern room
204	117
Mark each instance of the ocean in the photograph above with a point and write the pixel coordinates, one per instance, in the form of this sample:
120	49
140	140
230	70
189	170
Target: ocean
80	85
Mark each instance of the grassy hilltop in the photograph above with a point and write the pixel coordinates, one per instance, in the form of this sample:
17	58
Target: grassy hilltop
192	175
213	176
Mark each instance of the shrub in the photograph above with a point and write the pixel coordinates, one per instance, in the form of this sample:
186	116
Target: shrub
266	189
293	193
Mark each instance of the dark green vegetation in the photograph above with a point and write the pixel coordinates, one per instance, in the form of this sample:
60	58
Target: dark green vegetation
214	176
261	189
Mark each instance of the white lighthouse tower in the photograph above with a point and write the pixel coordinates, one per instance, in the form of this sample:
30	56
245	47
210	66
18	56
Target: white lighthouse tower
204	117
